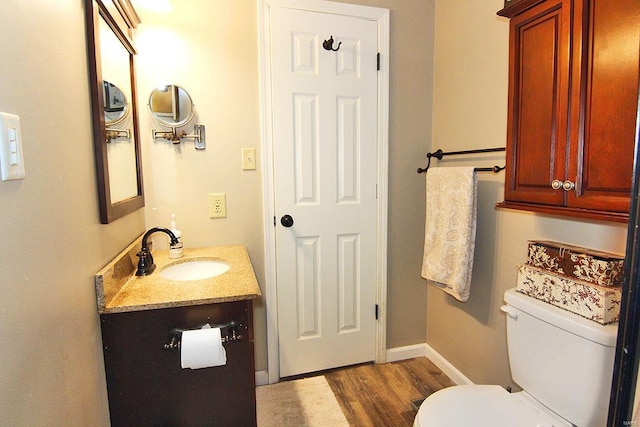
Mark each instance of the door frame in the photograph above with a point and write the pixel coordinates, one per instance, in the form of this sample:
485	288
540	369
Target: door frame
381	16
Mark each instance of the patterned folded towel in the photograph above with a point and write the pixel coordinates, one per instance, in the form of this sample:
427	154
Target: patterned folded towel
450	229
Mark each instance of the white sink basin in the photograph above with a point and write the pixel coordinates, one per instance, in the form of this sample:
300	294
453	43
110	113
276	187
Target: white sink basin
195	270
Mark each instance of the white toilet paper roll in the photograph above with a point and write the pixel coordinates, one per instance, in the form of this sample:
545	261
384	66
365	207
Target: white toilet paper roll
202	348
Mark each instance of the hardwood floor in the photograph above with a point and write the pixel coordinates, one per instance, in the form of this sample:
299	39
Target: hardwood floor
381	395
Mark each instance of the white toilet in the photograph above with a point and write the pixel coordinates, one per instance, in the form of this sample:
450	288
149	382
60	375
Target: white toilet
563	362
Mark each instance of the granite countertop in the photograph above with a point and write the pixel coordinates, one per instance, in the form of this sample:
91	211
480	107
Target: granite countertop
118	289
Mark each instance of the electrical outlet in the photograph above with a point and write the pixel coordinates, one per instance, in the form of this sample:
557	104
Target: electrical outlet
217	205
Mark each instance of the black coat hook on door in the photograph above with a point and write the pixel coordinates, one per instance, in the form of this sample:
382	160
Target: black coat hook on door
328	45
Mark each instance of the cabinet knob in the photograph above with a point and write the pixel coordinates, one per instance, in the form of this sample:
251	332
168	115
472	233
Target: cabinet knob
568	185
556	184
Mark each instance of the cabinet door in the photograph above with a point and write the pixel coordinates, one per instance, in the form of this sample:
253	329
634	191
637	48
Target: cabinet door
146	384
604	103
538	100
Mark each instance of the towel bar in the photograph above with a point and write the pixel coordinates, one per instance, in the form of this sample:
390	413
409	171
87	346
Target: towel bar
494	169
439	154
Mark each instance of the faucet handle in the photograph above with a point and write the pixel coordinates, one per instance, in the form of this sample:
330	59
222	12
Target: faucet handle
145	263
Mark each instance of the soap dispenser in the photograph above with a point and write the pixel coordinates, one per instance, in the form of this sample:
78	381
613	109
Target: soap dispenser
175	250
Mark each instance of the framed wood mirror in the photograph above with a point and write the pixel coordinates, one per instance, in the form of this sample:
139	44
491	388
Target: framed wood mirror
116	137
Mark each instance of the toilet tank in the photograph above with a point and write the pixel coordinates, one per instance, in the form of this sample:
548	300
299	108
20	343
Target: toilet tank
561	359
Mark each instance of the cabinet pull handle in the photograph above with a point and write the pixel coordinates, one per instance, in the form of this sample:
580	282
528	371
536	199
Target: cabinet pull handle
568	185
556	184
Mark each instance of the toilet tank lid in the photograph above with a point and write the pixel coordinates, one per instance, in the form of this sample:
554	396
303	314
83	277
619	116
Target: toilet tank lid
570	322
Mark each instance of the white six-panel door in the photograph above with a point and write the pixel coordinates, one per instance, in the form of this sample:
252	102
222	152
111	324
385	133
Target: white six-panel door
325	171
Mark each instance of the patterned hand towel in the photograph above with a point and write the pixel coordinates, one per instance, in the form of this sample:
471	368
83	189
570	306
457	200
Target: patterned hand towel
450	229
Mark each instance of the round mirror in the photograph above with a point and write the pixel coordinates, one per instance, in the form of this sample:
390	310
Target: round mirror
171	106
116	106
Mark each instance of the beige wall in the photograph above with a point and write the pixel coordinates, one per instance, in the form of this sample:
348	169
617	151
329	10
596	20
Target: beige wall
214	55
52	371
211	50
470	96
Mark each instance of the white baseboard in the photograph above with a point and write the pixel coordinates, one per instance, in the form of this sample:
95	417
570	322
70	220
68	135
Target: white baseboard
403	353
262	378
446	367
406	352
425	350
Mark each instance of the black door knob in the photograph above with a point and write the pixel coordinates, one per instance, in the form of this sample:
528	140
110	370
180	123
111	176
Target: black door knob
286	220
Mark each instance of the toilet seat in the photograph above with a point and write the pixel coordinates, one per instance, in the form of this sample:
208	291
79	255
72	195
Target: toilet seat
484	406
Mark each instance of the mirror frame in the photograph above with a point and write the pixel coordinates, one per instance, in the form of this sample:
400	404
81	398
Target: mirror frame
122	27
177	124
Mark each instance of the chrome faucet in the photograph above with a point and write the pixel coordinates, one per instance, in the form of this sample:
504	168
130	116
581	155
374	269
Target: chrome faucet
146	264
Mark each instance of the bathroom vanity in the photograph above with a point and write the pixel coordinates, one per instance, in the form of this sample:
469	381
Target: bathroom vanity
141	319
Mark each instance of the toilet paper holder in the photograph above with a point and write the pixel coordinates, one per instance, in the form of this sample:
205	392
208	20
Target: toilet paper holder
229	332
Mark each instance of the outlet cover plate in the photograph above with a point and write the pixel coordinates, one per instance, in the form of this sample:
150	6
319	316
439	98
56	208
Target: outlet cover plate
217	205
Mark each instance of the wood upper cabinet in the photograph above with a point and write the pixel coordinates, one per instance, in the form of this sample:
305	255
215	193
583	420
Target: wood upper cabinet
573	99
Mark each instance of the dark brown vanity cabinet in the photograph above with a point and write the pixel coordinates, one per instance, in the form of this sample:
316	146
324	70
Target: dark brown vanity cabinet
573	99
146	384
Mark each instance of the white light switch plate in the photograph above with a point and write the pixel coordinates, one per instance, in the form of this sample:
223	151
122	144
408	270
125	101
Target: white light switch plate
249	159
11	156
